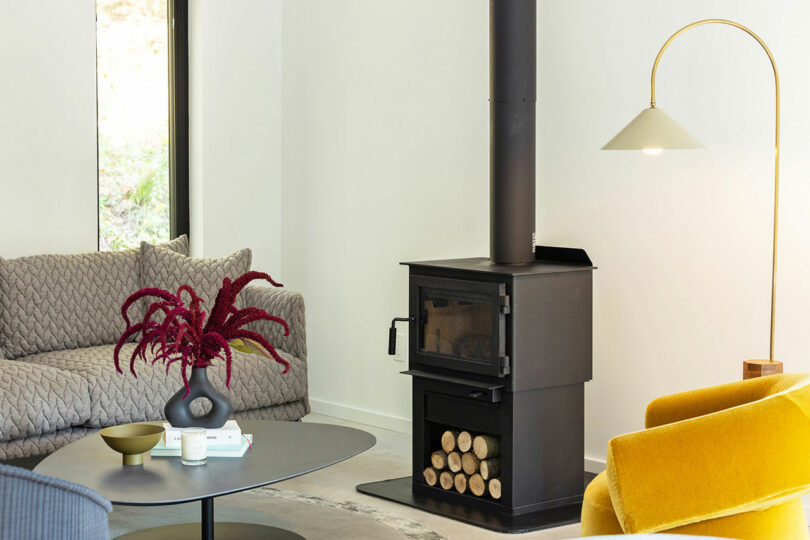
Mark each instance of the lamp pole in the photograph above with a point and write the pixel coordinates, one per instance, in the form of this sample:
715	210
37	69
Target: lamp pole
751	368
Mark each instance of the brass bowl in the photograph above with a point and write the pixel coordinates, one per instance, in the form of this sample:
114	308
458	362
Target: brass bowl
132	440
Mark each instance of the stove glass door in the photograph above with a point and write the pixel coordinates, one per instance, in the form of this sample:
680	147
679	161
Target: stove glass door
455	324
459	324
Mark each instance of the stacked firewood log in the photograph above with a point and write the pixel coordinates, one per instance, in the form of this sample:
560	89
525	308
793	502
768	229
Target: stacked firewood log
466	463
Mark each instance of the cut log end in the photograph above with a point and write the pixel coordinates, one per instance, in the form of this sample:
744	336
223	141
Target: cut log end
431	476
490	468
454	462
446	480
469	463
486	446
477	485
460	481
464	441
449	440
438	459
495	488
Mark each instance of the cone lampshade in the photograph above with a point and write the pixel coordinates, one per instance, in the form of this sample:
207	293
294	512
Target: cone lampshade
652	130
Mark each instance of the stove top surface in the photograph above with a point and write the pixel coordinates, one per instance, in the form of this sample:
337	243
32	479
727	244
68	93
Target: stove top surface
484	265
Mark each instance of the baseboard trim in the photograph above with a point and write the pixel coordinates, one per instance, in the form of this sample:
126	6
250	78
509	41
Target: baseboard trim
398	423
593	465
362	416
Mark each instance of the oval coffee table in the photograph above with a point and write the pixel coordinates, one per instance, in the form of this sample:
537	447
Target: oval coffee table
281	450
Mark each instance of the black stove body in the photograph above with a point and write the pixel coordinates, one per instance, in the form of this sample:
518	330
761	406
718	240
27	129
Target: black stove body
504	350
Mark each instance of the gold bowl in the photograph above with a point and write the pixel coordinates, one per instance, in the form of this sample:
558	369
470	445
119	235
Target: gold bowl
132	440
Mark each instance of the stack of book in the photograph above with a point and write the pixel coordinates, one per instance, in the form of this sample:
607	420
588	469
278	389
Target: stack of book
227	441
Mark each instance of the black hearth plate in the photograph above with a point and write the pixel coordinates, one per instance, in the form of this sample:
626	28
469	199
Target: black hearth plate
401	490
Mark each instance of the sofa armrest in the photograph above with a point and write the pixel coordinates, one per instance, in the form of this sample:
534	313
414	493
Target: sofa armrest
289	305
737	460
685	405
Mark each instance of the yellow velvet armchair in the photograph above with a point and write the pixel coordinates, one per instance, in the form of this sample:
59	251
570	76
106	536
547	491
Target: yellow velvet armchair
730	461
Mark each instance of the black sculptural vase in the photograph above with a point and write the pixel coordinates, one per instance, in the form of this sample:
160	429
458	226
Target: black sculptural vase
178	410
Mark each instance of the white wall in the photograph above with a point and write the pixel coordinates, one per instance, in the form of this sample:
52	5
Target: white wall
235	129
386	151
48	194
682	240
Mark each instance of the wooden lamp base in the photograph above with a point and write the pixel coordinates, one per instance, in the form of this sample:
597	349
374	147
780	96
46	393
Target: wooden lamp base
760	368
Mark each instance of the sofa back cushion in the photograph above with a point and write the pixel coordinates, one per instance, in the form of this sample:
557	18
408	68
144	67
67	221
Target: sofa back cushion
165	269
56	302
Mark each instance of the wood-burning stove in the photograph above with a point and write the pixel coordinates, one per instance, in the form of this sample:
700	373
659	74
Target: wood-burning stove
502	350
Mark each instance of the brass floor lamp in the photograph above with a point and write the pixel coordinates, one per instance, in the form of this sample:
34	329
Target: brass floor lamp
653	131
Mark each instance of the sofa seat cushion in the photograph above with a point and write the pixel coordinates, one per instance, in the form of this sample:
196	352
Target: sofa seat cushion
598	516
39	445
117	398
55	302
37	399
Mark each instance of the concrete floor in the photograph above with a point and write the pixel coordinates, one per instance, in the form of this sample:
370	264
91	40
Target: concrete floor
391	458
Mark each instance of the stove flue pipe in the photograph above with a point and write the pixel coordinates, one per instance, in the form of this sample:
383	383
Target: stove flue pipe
513	93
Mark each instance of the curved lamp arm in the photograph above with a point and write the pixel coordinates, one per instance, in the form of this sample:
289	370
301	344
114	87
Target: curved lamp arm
776	154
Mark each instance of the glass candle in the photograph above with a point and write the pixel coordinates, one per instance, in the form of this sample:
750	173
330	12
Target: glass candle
193	446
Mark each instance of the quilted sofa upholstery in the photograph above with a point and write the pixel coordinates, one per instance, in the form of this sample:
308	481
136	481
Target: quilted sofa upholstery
57	378
40	399
54	302
116	398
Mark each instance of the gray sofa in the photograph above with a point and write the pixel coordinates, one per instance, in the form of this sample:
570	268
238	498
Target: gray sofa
59	320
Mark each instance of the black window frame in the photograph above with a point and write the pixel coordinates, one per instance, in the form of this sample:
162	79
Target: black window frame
177	11
177	25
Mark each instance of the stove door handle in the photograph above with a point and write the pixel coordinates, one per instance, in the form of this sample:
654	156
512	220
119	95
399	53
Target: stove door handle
392	341
392	333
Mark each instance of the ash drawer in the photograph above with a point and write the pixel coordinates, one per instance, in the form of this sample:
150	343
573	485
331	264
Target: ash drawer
462	412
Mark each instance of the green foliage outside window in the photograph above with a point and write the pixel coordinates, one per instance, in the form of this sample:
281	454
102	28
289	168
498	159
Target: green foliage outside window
133	122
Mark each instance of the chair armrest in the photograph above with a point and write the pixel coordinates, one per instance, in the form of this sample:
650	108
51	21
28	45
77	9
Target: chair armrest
289	305
685	405
736	460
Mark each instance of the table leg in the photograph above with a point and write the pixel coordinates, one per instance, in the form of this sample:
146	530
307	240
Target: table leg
207	518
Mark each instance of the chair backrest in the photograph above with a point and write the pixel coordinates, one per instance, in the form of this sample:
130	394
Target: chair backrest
34	506
693	403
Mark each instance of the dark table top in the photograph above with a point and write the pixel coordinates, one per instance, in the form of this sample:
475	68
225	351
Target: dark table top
281	450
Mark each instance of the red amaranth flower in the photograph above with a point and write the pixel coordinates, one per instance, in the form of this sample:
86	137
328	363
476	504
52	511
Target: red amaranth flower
189	335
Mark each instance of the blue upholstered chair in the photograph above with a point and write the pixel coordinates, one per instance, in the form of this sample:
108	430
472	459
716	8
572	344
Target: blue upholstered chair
34	506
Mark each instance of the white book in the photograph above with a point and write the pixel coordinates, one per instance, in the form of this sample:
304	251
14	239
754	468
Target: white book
238	450
229	434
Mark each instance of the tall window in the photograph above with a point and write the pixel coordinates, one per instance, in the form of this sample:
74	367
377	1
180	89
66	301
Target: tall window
137	50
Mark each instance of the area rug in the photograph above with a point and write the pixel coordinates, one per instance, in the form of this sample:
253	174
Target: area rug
312	517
